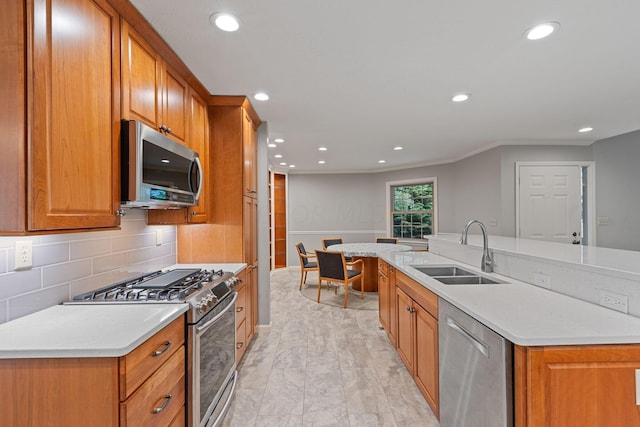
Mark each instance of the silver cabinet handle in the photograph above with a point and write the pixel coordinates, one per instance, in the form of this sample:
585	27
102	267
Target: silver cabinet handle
167	399
240	345
239	309
479	345
164	348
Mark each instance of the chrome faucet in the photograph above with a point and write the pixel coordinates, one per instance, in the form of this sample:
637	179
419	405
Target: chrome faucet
487	262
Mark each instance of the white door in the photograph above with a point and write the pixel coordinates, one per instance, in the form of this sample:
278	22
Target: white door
550	203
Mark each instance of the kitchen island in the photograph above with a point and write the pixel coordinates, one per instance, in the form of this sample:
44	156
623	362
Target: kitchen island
574	362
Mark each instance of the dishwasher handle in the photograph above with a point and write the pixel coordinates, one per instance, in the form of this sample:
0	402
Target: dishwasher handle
479	345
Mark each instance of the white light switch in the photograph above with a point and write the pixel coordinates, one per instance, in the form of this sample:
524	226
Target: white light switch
24	254
159	237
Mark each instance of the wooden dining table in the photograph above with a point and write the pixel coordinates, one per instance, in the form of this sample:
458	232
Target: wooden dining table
368	253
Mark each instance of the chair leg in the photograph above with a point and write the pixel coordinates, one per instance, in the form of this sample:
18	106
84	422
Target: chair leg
346	293
361	289
319	287
302	279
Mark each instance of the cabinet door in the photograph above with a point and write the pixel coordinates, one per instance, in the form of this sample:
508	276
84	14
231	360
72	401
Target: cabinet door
383	300
426	361
405	333
175	105
74	170
141	79
586	386
199	142
249	149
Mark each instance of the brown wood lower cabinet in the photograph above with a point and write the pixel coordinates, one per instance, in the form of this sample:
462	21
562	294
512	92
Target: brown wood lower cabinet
386	299
131	390
417	335
585	386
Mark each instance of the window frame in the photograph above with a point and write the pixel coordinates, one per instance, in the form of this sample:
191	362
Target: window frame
416	181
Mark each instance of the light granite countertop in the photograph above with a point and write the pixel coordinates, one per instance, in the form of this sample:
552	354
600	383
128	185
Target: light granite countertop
92	330
522	313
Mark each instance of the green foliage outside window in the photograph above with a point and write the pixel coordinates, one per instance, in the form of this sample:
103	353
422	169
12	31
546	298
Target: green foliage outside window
412	213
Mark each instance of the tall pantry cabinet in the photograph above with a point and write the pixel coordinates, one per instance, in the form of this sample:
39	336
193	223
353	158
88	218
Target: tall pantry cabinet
231	232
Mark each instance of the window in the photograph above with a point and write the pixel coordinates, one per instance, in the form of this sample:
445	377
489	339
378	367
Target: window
412	208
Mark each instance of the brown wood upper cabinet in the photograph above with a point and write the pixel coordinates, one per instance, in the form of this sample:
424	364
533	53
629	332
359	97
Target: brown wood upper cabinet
61	155
152	92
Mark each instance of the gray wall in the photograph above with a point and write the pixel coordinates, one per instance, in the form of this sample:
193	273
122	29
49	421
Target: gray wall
617	183
353	205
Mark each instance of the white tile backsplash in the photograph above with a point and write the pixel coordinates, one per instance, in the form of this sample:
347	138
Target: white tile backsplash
69	264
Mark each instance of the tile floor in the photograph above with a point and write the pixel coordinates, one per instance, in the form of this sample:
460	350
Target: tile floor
320	365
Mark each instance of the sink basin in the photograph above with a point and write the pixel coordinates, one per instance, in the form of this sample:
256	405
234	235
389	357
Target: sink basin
454	275
467	280
444	270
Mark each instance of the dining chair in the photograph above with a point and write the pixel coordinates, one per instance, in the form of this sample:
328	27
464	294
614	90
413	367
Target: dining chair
334	241
306	263
333	269
387	240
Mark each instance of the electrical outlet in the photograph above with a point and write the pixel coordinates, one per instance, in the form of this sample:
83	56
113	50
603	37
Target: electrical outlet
542	280
24	254
614	301
159	237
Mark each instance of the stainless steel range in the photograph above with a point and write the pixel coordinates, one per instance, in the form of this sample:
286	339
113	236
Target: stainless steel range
211	351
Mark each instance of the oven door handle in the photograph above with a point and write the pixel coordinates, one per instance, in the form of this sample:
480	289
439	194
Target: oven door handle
219	315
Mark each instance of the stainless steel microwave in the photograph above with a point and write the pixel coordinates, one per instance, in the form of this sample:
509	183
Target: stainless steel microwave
157	172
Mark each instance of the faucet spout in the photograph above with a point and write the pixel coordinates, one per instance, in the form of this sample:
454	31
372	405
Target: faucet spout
487	262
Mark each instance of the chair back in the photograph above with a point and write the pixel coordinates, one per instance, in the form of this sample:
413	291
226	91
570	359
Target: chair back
333	241
304	261
387	240
331	265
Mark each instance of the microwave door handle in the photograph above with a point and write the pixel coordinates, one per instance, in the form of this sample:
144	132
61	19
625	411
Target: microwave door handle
201	176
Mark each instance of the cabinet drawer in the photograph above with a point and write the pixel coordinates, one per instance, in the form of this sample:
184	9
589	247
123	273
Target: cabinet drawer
160	398
241	305
136	366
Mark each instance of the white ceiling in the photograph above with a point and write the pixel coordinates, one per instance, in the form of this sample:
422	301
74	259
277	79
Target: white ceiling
362	76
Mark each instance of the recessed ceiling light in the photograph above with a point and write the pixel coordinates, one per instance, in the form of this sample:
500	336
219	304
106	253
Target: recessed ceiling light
279	140
278	156
321	162
322	148
541	31
165	161
261	96
271	145
585	129
225	21
461	97
292	166
283	163
398	148
382	161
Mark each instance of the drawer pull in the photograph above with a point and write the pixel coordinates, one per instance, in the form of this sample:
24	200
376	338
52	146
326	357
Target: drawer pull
239	309
239	345
167	399
163	349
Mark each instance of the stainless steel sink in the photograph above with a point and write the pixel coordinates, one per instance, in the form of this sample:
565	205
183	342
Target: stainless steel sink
454	275
467	280
444	270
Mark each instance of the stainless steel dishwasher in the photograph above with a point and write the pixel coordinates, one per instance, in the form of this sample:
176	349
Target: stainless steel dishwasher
476	372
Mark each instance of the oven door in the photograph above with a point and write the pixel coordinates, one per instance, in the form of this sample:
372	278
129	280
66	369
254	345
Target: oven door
213	363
